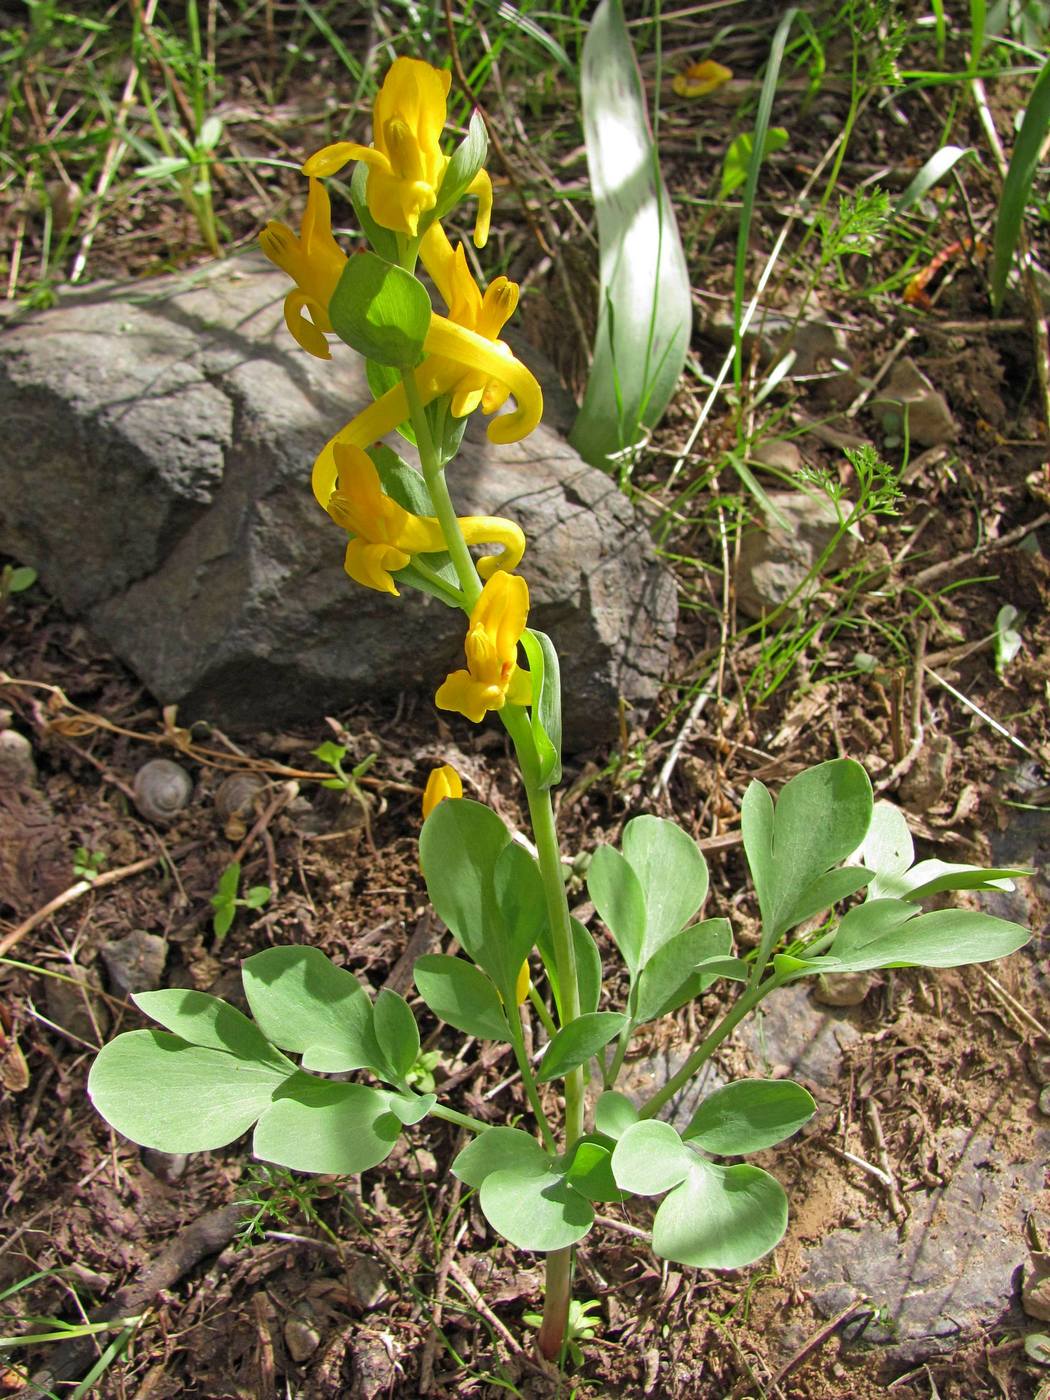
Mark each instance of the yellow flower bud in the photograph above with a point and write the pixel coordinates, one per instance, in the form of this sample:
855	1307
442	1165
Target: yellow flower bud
443	782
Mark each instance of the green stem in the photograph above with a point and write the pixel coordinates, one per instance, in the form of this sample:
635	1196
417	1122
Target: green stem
461	1120
610	1075
444	510
549	857
529	1080
538	1006
740	1008
556	1296
454	596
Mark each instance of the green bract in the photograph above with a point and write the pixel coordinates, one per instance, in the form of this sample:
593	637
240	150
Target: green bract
381	310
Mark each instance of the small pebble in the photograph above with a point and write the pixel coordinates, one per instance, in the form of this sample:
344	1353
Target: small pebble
165	1166
366	1283
843	988
301	1338
135	963
17	764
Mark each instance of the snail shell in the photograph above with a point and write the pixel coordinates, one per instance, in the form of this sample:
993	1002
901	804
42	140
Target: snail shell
237	793
162	789
235	800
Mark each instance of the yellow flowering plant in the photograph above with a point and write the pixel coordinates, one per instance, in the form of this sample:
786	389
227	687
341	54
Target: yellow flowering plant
212	1073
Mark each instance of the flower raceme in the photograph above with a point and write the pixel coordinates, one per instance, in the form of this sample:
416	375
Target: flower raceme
314	260
385	535
405	162
492	676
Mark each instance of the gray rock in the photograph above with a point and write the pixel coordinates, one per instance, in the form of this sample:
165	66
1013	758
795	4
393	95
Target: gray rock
789	1031
956	1271
135	963
775	559
155	471
909	394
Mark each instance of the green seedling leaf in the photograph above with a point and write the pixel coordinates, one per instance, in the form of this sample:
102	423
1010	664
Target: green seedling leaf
396	1031
534	1208
821	816
304	1003
318	1125
381	310
590	1170
164	1093
210	133
588	965
467	160
670	978
332	754
257	896
614	1113
204	1020
575	1043
1018	184
720	1217
546	707
222	920
650	1158
672	873
1008	640
226	889
620	901
645	305
1037	1348
737	160
461	995
499	1149
21	578
931	174
890	933
749	1115
383	240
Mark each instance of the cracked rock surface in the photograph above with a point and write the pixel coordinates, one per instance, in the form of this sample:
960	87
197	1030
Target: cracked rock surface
155	471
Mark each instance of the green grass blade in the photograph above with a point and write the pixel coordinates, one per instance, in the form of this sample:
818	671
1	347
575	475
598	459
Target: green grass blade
645	315
1018	184
758	151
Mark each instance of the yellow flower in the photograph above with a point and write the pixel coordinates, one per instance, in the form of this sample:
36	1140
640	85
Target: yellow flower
315	261
493	676
443	782
701	78
521	990
385	535
470	310
405	162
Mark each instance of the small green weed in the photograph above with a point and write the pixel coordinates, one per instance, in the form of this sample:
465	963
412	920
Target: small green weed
226	903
